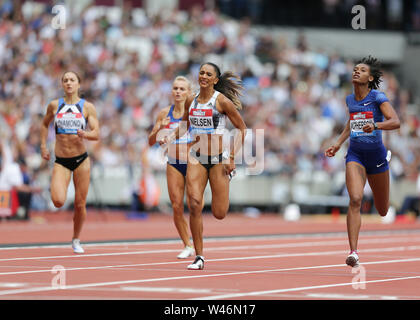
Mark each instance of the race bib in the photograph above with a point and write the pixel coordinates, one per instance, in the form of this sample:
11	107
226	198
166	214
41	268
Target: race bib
201	120
358	120
69	122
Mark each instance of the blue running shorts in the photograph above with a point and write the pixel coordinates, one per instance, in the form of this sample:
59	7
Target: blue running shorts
374	160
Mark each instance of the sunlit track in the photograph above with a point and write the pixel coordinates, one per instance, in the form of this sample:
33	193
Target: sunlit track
39	289
247	258
303	265
260	293
247	247
149	242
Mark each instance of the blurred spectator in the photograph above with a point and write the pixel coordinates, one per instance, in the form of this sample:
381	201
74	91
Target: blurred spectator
26	190
127	59
412	202
416	15
10	180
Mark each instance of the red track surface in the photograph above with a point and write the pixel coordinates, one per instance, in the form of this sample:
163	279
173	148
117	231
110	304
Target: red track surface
272	260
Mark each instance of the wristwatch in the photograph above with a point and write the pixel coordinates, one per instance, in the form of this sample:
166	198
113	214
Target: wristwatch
375	126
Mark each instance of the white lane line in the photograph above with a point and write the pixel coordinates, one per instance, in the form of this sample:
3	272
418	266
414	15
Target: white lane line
247	247
12	284
260	293
163	289
350	296
284	255
112	283
320	235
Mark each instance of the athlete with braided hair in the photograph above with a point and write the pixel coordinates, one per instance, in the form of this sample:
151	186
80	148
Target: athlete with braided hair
370	112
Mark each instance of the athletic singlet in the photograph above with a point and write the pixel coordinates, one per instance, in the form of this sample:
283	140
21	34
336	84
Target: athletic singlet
363	112
69	117
173	124
204	117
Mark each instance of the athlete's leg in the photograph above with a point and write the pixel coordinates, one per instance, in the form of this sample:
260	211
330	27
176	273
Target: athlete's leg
60	180
219	183
355	182
81	179
176	186
197	177
379	183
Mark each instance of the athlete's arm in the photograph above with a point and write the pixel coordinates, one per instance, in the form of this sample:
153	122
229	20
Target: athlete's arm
93	122
48	117
392	121
161	122
234	116
181	129
331	151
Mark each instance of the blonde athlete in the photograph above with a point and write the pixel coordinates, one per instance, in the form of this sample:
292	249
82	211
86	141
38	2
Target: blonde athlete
176	169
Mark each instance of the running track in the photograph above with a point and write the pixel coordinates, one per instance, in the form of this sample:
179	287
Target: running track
247	258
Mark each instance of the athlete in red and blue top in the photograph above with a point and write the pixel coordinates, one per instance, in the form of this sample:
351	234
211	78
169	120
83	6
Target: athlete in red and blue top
167	121
369	112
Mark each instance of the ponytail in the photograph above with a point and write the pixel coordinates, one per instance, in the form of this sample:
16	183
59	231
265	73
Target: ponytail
229	84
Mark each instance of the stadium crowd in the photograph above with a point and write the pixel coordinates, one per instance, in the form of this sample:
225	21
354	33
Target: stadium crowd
127	63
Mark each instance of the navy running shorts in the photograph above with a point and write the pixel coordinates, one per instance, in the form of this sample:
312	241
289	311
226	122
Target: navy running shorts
374	160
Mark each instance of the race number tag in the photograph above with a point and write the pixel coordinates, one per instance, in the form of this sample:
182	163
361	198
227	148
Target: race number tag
69	122
358	120
201	120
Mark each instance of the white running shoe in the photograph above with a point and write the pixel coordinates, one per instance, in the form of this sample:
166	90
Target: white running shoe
353	259
187	252
198	263
77	248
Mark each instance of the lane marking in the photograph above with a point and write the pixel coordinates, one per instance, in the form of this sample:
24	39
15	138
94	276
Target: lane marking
260	293
125	282
247	247
12	284
349	296
166	290
284	255
211	239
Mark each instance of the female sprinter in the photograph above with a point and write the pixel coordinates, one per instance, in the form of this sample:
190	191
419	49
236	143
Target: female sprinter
370	112
176	169
206	114
70	114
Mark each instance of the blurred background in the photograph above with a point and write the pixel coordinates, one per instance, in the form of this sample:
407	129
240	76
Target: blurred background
295	59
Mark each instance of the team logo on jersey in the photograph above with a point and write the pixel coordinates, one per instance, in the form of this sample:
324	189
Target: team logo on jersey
69	108
198	113
69	119
359	115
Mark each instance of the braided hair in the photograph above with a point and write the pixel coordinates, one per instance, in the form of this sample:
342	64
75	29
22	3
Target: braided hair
374	70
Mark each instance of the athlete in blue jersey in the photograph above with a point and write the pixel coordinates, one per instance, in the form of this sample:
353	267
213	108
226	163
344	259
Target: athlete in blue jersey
176	170
369	112
71	115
